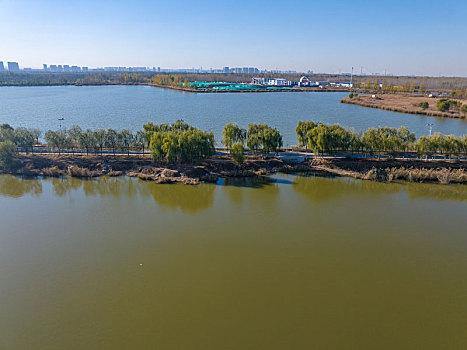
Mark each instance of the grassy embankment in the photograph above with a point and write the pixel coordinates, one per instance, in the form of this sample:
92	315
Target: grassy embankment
407	103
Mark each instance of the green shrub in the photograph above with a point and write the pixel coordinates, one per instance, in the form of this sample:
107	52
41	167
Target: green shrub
443	105
351	95
237	152
464	109
423	105
7	152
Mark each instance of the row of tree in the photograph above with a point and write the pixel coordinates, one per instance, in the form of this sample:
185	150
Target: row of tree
376	86
72	78
182	142
94	141
170	80
457	85
24	138
329	139
460	93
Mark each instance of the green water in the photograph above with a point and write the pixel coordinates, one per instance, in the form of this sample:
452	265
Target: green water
290	263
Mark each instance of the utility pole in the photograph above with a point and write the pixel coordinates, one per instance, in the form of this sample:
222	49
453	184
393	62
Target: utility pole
430	127
351	79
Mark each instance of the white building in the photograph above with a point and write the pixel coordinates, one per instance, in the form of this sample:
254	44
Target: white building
278	82
338	84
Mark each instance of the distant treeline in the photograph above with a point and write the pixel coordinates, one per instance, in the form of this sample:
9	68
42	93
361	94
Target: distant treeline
389	83
91	78
170	80
456	86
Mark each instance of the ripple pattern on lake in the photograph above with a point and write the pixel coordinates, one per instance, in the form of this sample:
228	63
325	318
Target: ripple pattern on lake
130	107
282	263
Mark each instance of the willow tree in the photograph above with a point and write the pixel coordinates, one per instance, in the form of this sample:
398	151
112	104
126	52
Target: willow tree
86	141
263	137
56	140
111	139
7	152
302	131
125	140
231	134
24	138
179	142
425	146
99	138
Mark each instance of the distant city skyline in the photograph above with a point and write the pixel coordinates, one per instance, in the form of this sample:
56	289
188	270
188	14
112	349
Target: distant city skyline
15	66
398	37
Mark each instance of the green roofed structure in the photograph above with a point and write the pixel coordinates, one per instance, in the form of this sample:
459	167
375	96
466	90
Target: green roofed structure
215	86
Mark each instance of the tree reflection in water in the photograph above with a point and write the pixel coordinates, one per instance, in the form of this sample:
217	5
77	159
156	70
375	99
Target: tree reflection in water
176	196
102	186
189	199
192	199
15	186
63	186
322	189
236	188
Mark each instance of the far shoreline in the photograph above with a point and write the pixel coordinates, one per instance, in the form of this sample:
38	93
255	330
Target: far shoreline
190	90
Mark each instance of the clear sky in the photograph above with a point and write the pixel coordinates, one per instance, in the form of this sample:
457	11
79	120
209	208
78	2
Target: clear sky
404	37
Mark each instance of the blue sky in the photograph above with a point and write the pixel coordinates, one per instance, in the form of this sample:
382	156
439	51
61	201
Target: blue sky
402	37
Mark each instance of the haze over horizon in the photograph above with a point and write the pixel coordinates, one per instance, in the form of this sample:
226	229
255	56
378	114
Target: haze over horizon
403	38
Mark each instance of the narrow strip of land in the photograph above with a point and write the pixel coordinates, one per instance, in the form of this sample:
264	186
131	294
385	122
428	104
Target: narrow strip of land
404	103
209	170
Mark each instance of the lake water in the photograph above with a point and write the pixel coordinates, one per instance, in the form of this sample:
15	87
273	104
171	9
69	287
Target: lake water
286	263
292	263
130	107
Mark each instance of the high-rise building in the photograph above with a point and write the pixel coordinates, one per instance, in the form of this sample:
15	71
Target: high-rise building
2	67
13	66
44	66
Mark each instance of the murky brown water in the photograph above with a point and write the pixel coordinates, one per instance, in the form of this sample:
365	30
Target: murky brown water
299	263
